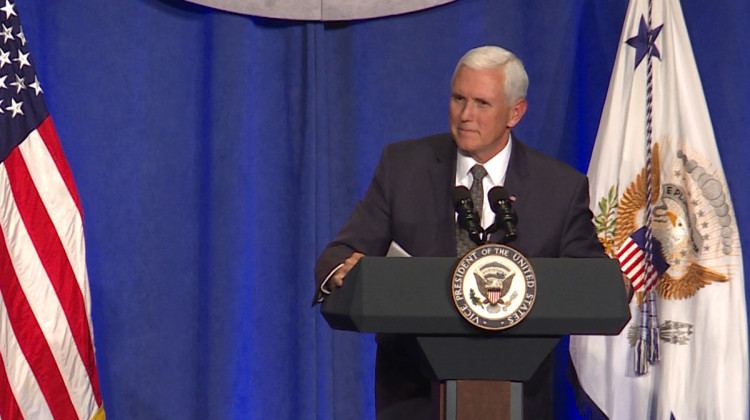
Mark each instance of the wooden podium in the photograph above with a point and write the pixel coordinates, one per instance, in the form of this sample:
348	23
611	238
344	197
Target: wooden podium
413	296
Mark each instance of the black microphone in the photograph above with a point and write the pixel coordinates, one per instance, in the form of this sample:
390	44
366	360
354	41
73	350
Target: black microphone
468	218
505	216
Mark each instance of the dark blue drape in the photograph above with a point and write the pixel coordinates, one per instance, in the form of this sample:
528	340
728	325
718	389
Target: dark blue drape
217	154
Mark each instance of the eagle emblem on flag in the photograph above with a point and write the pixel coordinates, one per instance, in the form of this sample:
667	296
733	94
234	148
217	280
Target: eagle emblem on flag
687	226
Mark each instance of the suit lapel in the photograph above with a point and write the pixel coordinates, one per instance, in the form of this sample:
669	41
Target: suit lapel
516	177
442	178
518	170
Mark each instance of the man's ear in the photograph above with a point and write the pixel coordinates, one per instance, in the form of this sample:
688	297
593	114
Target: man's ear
517	111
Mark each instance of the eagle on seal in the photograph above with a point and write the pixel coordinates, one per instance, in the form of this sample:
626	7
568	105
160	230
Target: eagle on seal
494	281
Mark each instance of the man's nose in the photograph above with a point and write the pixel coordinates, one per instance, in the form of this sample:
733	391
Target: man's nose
467	112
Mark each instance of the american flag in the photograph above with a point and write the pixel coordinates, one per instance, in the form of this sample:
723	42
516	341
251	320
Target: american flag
47	364
632	258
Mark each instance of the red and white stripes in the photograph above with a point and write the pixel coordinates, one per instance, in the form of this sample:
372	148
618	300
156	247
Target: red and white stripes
633	263
46	345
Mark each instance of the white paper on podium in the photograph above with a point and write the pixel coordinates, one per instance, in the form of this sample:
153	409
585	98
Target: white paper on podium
395	250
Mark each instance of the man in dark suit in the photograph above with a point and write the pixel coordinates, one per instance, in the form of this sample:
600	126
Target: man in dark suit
409	203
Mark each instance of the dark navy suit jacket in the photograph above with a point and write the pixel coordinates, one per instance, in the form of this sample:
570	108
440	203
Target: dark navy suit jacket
409	202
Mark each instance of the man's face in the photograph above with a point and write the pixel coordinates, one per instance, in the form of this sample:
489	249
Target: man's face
480	117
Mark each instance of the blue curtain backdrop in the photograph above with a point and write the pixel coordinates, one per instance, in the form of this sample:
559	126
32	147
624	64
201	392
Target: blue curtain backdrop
216	154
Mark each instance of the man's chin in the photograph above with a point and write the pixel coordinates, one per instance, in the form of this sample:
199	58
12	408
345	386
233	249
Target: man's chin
466	143
467	135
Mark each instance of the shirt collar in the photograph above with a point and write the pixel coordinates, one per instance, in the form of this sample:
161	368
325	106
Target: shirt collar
496	167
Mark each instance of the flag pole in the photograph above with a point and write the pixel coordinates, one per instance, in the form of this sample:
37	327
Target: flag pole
647	348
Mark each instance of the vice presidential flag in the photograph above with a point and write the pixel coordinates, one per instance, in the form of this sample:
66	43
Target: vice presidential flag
47	365
662	207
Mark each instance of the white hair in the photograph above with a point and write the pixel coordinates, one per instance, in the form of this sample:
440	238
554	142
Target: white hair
490	57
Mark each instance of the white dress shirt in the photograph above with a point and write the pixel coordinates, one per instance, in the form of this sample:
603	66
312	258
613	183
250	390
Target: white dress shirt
496	169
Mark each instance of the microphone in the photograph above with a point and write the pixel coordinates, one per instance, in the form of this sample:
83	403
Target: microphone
468	218
505	216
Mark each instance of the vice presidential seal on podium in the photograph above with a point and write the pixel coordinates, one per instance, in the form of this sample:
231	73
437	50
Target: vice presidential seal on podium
494	287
